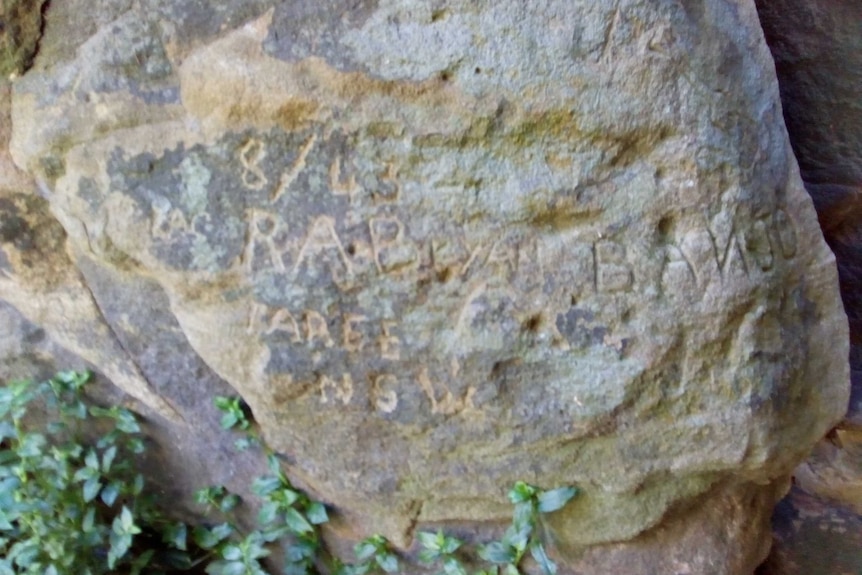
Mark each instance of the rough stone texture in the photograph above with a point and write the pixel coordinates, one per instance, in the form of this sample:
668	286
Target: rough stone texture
20	30
440	247
817	45
814	536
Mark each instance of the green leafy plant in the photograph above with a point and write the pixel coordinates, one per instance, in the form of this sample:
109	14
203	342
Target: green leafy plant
373	555
234	412
440	548
217	497
71	504
530	503
287	511
287	517
237	415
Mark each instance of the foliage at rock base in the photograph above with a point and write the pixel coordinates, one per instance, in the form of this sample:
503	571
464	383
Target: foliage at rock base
72	501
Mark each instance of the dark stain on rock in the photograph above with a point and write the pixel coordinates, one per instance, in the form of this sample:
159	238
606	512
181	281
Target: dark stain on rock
579	329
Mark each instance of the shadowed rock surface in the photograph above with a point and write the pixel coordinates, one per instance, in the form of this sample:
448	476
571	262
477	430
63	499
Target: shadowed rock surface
817	46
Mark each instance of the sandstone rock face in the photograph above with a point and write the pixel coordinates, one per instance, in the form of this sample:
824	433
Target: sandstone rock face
443	246
816	45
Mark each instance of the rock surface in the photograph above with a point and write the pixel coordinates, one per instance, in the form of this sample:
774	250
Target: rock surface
20	30
816	45
817	48
441	247
814	536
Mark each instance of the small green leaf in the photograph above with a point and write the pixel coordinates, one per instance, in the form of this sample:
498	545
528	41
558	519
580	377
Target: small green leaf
263	486
223	531
89	519
451	566
110	493
268	513
97	411
274	534
108	458
538	553
209	538
428	555
136	445
92	460
223	403
555	499
285	496
497	552
450	545
297	523
175	535
387	561
511	569
232	552
228	420
204	495
126	421
429	541
273	464
7	430
517	536
85	473
365	550
301	550
524	517
120	544
32	445
521	492
127	521
138	485
91	488
316	513
229	503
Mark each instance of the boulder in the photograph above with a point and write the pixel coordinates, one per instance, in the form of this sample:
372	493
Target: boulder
440	247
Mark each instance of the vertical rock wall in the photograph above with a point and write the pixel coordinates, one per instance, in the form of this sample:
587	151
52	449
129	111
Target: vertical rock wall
816	45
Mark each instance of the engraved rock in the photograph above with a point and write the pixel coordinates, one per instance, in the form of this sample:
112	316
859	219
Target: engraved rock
441	247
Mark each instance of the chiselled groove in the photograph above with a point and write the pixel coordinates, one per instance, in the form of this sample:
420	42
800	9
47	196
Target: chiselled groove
290	175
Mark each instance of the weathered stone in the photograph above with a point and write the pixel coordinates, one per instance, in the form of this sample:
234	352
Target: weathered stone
71	320
20	30
813	536
816	45
818	57
441	247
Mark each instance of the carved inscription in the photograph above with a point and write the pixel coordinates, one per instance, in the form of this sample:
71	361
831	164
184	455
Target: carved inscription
723	250
327	211
320	238
312	327
333	390
385	398
289	176
338	184
263	229
612	272
250	156
444	402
